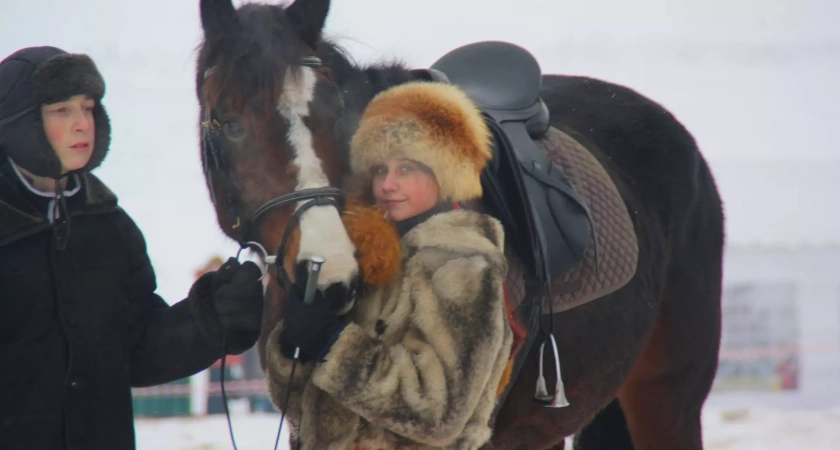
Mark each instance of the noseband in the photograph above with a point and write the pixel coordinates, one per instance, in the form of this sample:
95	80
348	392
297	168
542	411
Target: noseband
320	196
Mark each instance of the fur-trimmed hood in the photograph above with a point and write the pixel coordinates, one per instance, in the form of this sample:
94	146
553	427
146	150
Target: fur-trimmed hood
35	76
433	123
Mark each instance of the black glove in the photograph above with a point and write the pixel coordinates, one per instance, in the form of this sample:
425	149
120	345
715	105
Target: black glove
313	328
235	294
238	299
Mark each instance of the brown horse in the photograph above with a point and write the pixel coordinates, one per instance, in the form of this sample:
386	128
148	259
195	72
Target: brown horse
278	107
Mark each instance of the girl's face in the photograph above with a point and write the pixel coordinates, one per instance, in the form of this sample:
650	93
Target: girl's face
70	129
404	188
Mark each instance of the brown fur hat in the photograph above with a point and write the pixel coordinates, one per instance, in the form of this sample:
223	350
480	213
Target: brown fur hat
433	123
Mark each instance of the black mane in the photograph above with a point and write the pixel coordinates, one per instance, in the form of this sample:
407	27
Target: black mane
358	84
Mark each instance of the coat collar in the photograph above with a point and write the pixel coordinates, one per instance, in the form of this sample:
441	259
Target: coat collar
404	226
458	231
21	218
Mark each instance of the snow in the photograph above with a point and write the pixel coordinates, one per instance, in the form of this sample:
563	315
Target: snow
723	429
770	429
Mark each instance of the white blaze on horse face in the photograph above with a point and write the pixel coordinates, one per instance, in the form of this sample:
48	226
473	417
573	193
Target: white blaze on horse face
322	231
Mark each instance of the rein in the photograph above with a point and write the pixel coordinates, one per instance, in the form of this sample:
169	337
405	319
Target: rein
320	196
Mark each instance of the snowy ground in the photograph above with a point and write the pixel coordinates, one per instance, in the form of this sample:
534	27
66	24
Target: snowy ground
724	429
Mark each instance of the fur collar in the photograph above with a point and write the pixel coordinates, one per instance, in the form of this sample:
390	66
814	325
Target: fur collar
21	218
459	231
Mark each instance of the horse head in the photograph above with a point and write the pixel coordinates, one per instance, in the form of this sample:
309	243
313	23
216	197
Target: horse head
268	112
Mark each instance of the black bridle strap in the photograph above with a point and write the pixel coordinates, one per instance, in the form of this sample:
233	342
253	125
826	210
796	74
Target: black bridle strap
315	200
303	194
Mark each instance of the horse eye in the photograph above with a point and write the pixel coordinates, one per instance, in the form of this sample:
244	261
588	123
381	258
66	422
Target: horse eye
233	129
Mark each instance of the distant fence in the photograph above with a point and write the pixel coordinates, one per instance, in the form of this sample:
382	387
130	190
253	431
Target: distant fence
249	387
756	368
201	394
777	351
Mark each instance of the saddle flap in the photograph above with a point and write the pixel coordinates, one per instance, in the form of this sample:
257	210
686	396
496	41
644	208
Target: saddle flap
561	224
565	205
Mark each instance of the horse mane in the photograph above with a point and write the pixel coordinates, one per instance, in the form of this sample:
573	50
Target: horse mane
359	84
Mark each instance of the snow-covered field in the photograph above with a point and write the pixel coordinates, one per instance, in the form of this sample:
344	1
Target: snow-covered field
723	429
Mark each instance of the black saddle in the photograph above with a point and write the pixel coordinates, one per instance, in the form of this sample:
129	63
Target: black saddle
546	219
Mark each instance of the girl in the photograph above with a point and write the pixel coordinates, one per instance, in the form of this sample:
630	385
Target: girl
416	363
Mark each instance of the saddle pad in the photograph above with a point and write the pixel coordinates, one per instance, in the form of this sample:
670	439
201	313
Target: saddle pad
617	247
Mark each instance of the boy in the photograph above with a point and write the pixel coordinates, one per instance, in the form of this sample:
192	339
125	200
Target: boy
80	323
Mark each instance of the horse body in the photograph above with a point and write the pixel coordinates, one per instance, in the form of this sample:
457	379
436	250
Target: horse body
653	344
638	364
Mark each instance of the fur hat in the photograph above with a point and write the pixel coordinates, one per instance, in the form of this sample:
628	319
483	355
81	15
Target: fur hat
433	123
36	76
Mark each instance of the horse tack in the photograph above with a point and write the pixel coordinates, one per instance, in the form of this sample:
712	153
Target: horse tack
605	267
598	273
614	264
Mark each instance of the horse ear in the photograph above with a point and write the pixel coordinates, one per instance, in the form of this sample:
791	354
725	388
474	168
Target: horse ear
308	18
218	17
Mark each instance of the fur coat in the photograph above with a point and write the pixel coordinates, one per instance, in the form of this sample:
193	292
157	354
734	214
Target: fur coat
419	365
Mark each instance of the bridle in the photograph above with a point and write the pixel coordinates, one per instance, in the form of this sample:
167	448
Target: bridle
320	196
311	197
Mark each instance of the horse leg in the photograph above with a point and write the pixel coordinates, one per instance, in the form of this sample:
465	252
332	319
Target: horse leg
607	431
664	395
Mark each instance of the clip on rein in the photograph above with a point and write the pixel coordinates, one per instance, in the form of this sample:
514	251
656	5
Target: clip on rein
315	263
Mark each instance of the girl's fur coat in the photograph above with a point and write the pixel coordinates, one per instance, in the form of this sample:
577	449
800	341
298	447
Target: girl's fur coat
419	365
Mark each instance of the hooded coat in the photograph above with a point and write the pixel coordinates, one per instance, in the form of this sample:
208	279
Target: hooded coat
80	322
419	365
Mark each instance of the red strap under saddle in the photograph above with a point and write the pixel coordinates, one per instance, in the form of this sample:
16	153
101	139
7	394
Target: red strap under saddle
519	331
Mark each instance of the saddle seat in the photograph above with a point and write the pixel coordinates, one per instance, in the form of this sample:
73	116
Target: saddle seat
502	79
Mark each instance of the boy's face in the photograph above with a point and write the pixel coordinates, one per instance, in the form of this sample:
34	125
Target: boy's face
70	129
